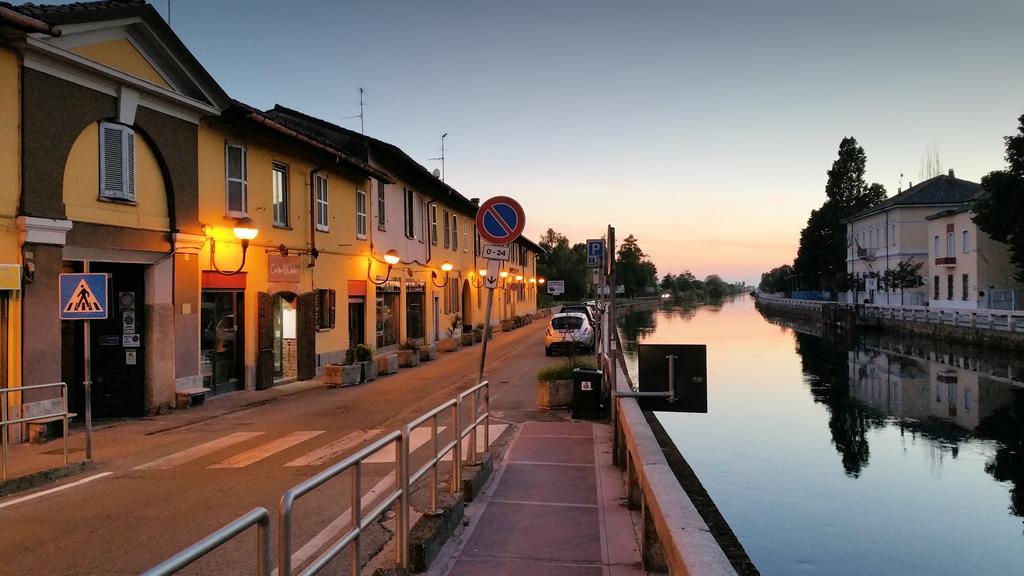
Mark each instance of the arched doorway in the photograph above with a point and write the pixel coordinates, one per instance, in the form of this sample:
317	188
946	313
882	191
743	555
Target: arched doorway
467	305
284	310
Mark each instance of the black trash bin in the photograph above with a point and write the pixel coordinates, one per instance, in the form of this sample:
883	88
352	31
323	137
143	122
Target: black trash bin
587	395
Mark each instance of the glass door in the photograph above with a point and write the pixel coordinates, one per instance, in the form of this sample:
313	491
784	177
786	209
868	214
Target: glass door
222	348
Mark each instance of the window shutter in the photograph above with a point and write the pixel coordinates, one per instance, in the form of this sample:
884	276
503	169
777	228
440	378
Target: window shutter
117	162
325	308
236	184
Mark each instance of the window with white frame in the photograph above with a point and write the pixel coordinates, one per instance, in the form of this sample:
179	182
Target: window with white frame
320	190
465	236
360	214
966	244
455	232
447	230
950	247
381	213
117	162
433	225
280	198
410	214
237	188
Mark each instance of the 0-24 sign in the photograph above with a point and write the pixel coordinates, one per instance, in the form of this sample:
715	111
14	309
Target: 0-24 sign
494	252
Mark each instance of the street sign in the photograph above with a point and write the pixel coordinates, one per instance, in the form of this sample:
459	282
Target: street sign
871	284
83	296
595	253
491	280
556	287
492	252
500	220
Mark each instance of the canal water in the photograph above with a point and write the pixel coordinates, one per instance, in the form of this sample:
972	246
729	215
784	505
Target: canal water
882	456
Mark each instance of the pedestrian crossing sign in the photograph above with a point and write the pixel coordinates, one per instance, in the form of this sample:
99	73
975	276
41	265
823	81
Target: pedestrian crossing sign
83	296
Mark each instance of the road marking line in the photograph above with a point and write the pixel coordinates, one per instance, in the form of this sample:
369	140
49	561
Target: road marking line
269	449
495	431
419	437
52	490
325	453
329	534
195	452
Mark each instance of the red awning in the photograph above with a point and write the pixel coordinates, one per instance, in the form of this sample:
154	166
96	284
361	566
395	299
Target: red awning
213	279
356	288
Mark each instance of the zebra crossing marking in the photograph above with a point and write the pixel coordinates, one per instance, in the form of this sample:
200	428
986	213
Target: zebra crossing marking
196	452
334	449
266	450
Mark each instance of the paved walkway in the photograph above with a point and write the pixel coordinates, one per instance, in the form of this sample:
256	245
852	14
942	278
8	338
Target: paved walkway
555	506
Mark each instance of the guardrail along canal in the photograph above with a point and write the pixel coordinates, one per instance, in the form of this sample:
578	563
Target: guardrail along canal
883	456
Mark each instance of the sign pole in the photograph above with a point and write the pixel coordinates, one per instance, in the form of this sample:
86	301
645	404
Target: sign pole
87	381
487	333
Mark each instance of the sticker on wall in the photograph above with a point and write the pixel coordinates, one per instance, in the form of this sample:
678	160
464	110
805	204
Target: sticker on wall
130	357
128	322
131	340
126	300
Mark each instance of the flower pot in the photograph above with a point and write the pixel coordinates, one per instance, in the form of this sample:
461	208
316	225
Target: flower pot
554	394
387	364
333	376
408	358
446	345
428	352
369	370
467	339
351	374
478	335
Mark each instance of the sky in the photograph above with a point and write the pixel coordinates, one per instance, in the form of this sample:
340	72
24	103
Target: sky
704	129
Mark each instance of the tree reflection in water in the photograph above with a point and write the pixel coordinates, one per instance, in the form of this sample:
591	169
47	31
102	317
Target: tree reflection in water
1006	426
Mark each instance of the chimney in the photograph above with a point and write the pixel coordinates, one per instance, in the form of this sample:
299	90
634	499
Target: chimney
951	174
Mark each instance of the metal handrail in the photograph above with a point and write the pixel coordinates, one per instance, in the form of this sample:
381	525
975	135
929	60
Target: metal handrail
5	422
359	522
438	454
257	516
477	418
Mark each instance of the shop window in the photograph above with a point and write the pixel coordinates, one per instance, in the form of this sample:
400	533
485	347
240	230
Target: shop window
325	308
117	162
388	314
415	303
237	187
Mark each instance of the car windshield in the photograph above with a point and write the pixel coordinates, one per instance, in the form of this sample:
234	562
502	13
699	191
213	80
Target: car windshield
567	323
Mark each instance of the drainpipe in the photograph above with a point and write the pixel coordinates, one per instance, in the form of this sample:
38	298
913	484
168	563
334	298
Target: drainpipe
313	252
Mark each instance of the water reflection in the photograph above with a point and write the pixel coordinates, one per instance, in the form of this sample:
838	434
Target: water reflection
838	457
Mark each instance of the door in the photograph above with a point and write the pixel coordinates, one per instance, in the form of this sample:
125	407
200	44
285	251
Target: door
437	319
356	321
264	341
305	332
222	341
118	344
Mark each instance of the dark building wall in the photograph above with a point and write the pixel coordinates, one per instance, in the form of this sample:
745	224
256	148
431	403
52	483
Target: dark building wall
186	326
41	329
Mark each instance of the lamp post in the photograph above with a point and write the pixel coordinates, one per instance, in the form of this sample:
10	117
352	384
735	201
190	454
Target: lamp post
245	230
446	267
390	258
481	273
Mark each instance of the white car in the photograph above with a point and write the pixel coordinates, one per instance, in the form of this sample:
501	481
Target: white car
569	331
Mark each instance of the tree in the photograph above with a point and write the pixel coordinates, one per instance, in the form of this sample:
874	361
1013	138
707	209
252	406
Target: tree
777	279
668	283
906	275
634	270
821	256
564	262
1000	212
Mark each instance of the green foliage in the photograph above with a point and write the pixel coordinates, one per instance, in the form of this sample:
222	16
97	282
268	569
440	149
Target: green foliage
821	256
777	279
1000	213
634	269
363	353
350	356
563	262
410	345
563	370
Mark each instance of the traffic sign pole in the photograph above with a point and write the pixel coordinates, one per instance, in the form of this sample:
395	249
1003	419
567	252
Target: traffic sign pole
87	382
487	333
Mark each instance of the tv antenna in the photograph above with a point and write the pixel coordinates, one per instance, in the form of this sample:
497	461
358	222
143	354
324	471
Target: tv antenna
443	136
362	128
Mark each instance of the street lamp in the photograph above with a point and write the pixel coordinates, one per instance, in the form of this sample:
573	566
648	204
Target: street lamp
503	275
446	267
482	273
390	258
245	230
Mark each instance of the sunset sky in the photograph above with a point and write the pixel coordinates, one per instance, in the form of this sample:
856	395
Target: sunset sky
703	128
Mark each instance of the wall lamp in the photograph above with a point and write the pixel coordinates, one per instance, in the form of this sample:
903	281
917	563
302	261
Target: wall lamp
390	258
446	267
503	275
245	230
482	275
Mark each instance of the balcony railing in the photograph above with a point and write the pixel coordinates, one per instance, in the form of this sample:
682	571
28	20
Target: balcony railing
946	261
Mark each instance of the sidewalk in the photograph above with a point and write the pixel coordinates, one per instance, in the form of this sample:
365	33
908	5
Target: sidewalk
555	506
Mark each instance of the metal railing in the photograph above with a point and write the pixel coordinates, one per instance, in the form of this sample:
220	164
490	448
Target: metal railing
257	516
5	422
360	522
997	320
479	396
437	454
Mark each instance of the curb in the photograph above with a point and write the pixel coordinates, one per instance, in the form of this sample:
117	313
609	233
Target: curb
37	479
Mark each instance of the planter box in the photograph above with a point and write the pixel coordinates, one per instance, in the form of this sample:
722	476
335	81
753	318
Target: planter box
556	394
338	375
467	339
408	358
387	364
369	370
507	325
428	352
332	375
478	335
447	345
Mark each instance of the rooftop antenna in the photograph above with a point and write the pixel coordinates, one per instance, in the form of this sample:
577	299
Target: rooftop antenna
168	12
900	189
443	136
362	128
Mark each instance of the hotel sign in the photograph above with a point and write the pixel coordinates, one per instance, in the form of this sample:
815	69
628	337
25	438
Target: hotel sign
284	268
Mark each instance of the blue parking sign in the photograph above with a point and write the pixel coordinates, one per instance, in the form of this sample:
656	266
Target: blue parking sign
83	296
595	253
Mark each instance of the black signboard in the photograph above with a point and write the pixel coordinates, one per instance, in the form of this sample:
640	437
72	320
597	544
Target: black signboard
689	369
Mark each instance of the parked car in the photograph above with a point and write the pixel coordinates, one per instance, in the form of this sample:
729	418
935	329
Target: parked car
581	308
569	331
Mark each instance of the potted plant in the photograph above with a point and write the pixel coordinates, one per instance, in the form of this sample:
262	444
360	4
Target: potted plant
344	374
554	383
452	341
408	354
507	325
428	352
364	358
387	363
478	332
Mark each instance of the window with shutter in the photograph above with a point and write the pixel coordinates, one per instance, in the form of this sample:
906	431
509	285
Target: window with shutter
117	162
381	214
320	186
235	169
455	232
410	222
447	230
360	214
325	308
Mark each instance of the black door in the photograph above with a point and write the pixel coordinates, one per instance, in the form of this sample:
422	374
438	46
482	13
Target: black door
119	343
356	321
